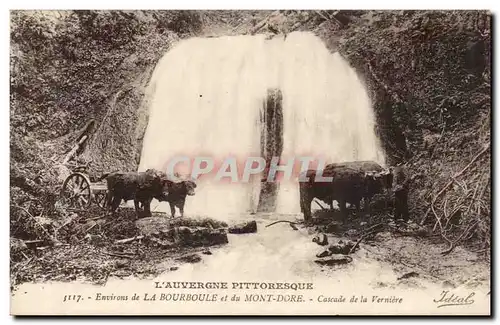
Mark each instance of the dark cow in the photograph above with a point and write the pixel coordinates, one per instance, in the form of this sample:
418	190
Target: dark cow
141	187
177	192
352	182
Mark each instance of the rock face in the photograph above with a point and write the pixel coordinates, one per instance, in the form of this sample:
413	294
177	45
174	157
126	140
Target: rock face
243	228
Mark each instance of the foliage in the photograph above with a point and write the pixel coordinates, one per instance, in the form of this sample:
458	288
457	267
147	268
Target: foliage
429	74
66	68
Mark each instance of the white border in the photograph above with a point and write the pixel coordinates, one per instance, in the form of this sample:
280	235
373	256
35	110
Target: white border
190	4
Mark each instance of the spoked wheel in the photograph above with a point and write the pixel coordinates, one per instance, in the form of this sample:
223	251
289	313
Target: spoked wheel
76	191
100	199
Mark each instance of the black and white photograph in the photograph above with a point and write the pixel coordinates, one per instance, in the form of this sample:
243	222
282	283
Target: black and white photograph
250	162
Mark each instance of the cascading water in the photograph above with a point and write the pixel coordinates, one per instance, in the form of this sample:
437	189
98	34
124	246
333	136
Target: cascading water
206	97
327	111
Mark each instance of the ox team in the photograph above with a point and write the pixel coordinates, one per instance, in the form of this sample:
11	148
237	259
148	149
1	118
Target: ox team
351	182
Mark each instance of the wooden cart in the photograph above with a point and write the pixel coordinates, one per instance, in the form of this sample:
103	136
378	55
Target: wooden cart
78	192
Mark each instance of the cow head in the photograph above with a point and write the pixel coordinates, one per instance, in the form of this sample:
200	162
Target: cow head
190	187
386	178
376	182
162	183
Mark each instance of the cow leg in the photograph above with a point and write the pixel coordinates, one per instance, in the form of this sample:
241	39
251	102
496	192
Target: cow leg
404	205
305	207
115	204
137	209
147	207
109	201
181	207
343	208
396	210
358	209
172	209
305	201
367	206
401	206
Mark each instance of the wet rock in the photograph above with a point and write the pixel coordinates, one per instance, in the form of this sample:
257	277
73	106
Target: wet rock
190	237
207	252
197	222
205	237
321	240
408	275
334	260
448	284
341	247
243	228
381	284
191	258
324	253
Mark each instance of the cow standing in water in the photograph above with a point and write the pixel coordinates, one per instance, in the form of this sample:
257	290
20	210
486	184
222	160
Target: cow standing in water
352	182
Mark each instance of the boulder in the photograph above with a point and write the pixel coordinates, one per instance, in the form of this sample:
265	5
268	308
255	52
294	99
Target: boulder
243	228
165	233
321	240
151	225
334	260
324	253
191	258
341	247
195	237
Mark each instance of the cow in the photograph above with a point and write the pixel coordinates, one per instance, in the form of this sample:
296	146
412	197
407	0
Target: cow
141	187
177	193
352	182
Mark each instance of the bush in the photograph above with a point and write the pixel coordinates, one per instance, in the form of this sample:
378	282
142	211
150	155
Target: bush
429	75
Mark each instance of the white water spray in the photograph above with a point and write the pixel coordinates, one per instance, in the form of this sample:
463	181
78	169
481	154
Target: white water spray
207	94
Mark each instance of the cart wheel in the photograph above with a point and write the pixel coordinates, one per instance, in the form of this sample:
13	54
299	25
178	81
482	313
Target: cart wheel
76	191
100	199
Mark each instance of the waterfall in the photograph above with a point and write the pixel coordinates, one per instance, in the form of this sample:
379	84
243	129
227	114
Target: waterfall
207	98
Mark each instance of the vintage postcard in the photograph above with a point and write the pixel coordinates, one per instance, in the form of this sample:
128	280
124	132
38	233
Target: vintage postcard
250	162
